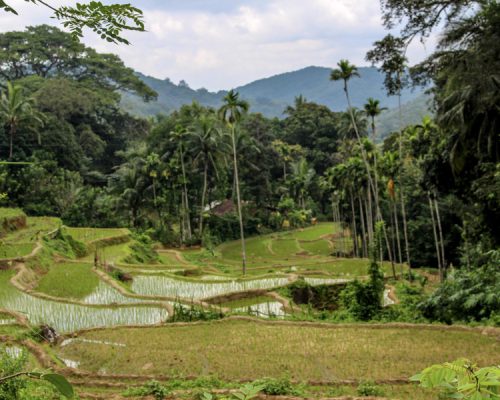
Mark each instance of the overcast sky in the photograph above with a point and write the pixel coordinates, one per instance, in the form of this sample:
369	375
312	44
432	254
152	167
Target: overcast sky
219	44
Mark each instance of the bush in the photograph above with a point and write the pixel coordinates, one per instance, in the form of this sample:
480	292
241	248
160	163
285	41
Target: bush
142	250
193	313
321	297
151	388
66	245
364	300
278	387
10	389
467	295
369	389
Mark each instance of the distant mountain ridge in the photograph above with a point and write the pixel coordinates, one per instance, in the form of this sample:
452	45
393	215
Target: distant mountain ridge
270	96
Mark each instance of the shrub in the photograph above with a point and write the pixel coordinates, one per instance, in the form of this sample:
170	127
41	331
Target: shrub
151	388
369	389
467	295
193	313
364	300
142	250
278	387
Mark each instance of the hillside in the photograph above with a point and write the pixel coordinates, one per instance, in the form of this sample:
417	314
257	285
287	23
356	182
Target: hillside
270	96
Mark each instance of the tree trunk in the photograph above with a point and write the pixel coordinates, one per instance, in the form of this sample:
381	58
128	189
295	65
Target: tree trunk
355	230
363	228
401	190
11	140
240	215
370	180
393	229
375	162
186	201
203	194
440	231
369	216
436	241
398	239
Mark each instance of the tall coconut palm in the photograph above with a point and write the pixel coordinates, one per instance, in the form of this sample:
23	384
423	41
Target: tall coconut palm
345	72
179	136
302	179
15	110
205	145
231	113
345	125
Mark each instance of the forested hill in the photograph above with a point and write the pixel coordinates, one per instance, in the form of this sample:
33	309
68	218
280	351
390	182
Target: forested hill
270	96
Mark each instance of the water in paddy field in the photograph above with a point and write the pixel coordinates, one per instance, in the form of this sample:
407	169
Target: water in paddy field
66	317
105	294
266	310
324	281
170	287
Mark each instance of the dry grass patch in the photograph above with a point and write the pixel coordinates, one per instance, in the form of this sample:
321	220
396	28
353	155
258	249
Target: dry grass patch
239	349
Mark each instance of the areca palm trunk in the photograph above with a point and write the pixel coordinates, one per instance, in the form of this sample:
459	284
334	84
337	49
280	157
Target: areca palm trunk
375	162
185	195
363	227
396	223
436	241
238	201
369	215
370	180
401	191
355	230
12	132
440	231
203	194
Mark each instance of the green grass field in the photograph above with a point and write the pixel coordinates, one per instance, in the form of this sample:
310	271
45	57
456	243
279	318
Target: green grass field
69	280
21	242
88	235
235	349
10	213
304	250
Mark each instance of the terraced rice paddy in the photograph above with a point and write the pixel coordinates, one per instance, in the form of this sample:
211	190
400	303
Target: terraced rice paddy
65	317
266	310
183	289
88	235
105	294
235	349
20	243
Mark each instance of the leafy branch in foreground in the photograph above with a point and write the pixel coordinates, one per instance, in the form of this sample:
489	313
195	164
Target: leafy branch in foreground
462	380
58	381
108	21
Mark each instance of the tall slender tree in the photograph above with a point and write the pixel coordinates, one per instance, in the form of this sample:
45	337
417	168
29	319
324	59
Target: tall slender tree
231	113
205	140
345	72
179	136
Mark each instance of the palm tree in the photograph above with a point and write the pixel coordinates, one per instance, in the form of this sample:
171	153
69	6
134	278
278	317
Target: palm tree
302	179
15	109
345	72
372	110
231	113
179	136
299	101
204	143
345	125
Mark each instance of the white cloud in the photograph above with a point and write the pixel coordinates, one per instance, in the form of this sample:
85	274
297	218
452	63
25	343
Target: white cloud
221	46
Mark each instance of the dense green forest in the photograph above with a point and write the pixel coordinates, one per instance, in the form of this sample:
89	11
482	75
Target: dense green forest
316	204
